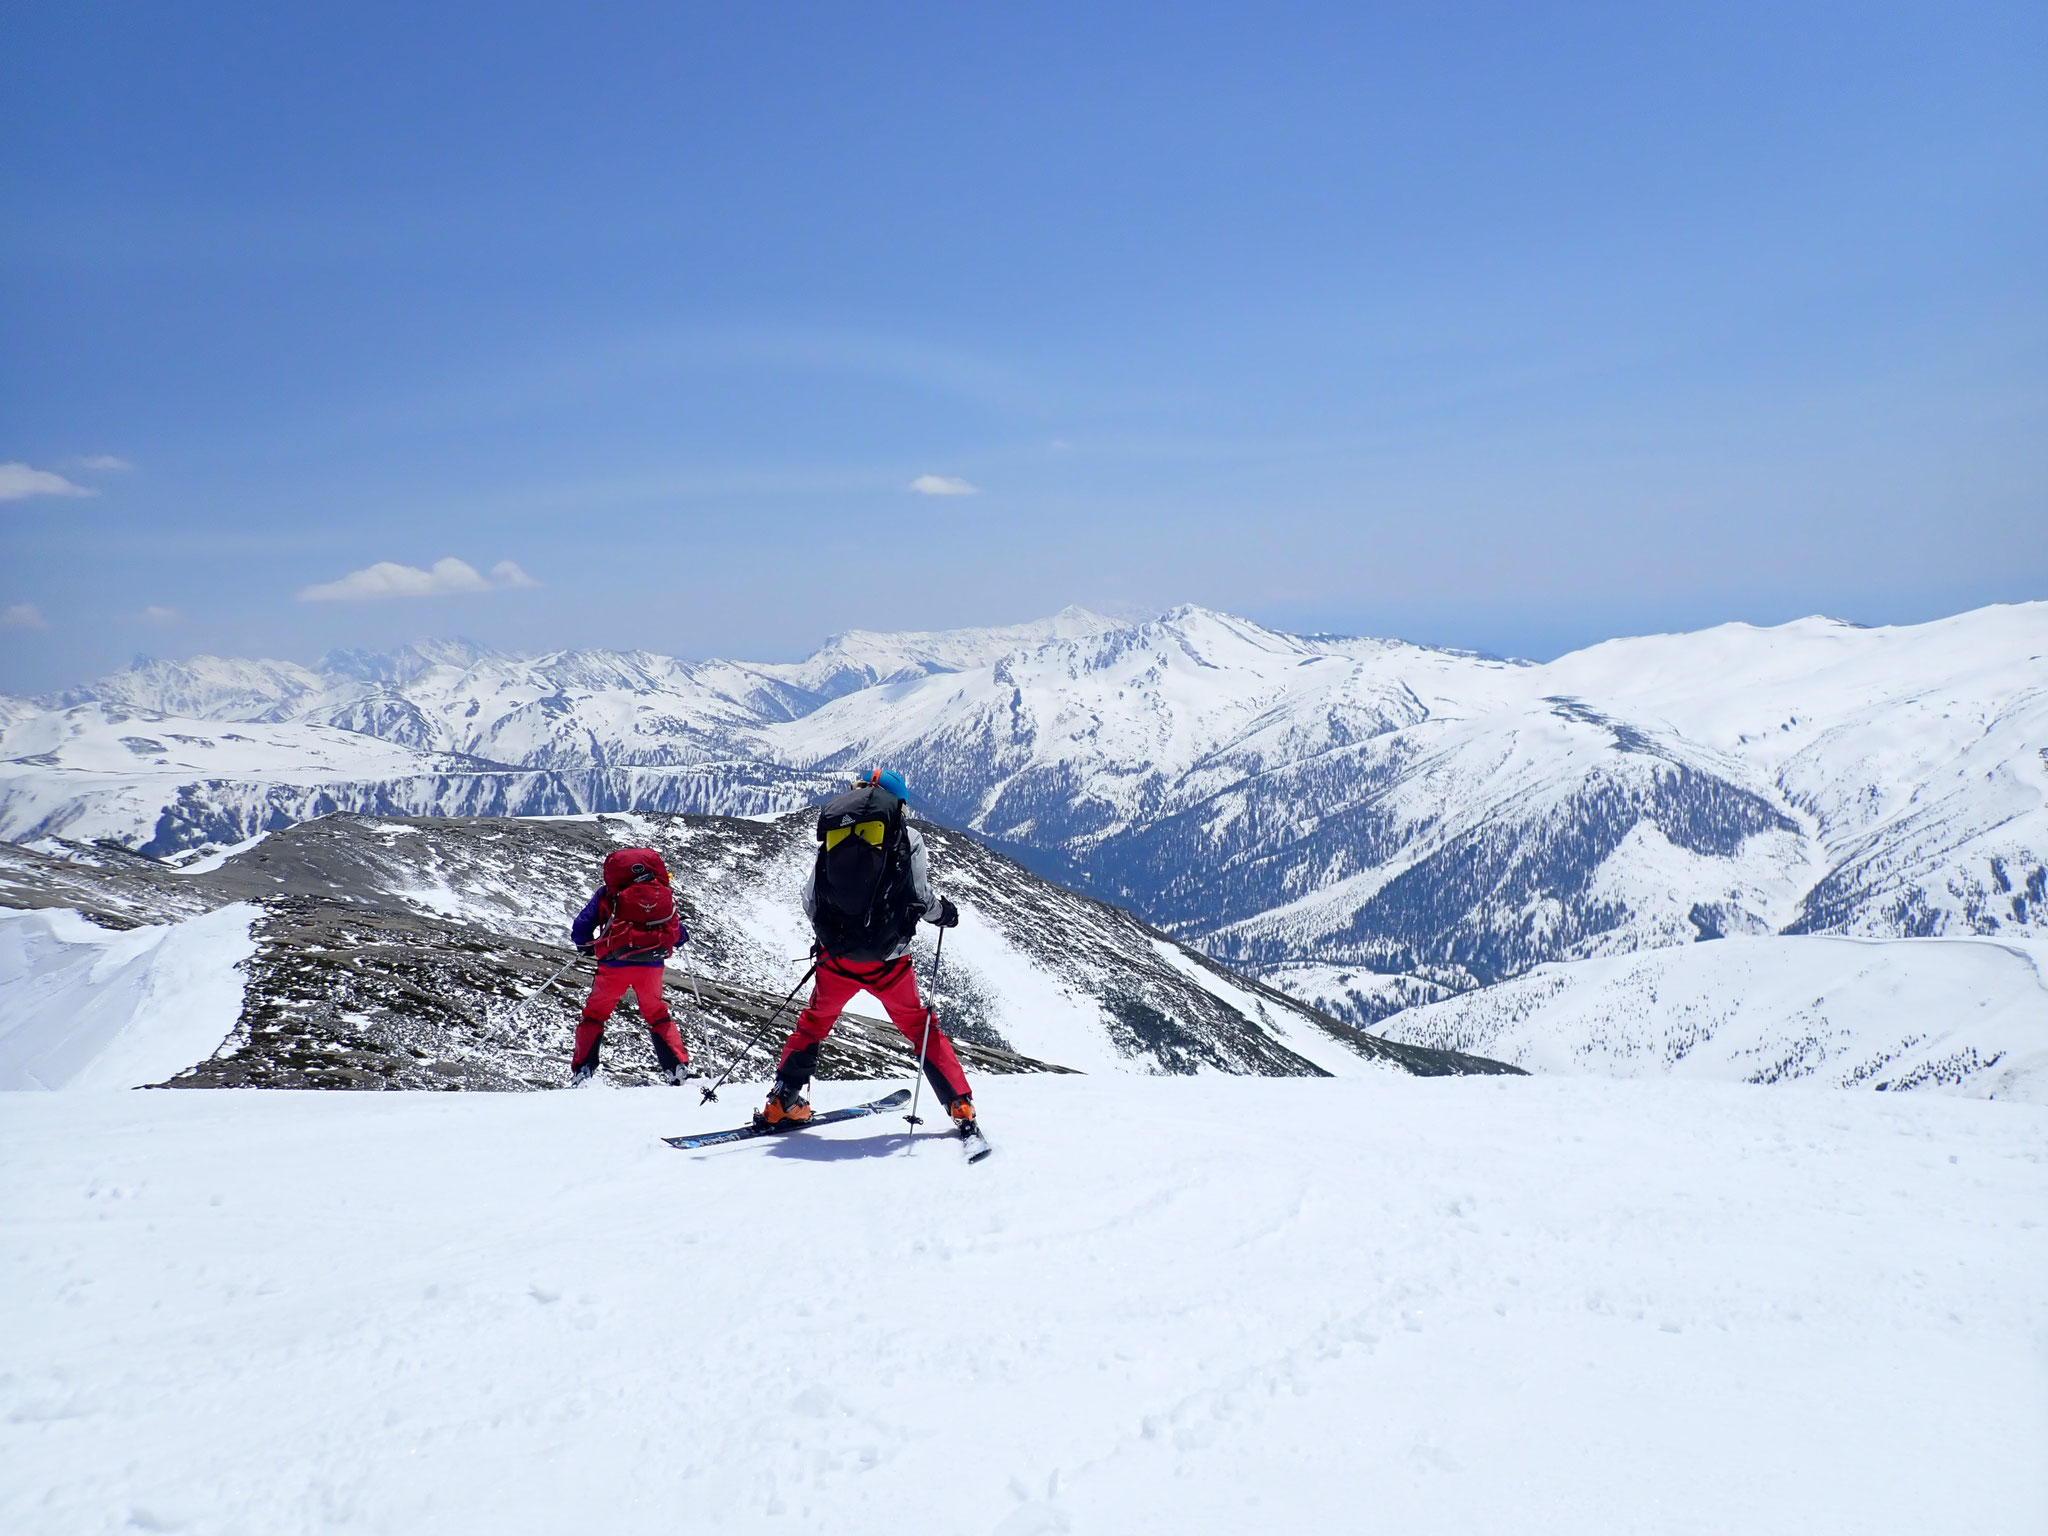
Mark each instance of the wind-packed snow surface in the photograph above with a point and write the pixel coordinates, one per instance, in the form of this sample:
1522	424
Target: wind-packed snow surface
83	1006
1165	1305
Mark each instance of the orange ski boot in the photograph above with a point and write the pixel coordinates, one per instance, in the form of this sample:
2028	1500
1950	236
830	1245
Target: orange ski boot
785	1110
968	1129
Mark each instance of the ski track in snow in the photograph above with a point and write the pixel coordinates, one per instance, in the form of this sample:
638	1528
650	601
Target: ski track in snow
1166	1305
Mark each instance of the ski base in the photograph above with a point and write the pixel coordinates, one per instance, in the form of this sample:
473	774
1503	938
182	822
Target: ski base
830	1117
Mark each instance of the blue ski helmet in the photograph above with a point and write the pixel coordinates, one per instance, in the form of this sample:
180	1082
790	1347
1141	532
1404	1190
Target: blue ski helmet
892	781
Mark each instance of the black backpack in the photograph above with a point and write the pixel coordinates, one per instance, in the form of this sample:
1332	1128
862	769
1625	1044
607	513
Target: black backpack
864	905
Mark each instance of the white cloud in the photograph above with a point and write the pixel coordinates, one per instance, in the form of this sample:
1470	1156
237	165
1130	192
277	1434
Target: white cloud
943	485
19	481
387	578
508	577
22	616
106	463
156	613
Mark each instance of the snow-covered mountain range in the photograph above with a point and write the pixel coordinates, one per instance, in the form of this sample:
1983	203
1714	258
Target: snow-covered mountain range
1426	820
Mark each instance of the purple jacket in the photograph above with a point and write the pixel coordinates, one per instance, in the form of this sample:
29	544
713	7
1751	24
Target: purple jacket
596	912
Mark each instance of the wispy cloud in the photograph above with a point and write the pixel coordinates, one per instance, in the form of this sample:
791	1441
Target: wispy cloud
446	578
19	481
106	463
156	613
943	485
22	616
508	577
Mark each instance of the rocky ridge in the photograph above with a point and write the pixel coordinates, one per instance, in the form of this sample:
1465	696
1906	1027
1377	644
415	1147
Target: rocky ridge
405	953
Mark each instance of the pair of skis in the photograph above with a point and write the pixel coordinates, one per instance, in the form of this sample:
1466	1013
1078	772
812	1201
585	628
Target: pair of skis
972	1142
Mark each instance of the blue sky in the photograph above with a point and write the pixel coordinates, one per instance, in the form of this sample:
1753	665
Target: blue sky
1500	326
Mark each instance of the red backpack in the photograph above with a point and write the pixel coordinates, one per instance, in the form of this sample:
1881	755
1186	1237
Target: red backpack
626	866
641	912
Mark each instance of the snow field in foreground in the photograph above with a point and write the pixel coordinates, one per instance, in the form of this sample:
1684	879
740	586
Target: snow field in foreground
1165	1305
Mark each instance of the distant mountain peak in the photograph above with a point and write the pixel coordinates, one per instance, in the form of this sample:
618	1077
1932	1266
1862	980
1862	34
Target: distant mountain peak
406	662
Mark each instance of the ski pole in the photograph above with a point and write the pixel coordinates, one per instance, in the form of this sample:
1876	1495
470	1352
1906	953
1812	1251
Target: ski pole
691	972
711	1093
924	1043
536	992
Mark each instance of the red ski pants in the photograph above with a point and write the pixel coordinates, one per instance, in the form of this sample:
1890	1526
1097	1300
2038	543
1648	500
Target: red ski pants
894	985
611	984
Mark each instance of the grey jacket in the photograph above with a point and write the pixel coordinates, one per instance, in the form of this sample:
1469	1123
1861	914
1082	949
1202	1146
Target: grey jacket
920	886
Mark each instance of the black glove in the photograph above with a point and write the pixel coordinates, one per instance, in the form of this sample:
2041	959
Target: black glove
947	916
586	949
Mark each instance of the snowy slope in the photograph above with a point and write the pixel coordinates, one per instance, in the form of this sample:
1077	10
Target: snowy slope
166	784
1282	800
1919	753
1352	992
83	1006
861	658
98	770
1965	1016
1539	1306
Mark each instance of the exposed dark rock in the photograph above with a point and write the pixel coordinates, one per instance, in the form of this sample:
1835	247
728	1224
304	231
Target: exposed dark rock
404	953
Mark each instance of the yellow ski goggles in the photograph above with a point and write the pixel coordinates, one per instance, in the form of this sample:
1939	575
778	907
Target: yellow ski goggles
869	832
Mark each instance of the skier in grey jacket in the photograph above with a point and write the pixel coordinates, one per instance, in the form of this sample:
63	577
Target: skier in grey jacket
869	887
918	877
